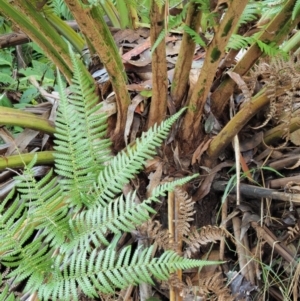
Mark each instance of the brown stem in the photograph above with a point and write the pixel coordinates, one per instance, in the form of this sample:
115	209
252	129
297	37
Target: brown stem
185	56
191	127
158	106
93	26
233	127
276	32
278	132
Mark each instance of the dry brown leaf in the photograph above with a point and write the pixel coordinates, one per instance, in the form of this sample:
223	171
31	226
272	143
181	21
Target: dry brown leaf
154	178
252	142
130	113
177	158
297	164
21	142
200	150
295	137
206	184
242	85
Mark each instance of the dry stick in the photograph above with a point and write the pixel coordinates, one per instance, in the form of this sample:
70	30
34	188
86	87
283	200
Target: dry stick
222	242
240	249
158	107
280	183
19	38
237	154
178	240
250	265
171	197
286	162
259	192
271	239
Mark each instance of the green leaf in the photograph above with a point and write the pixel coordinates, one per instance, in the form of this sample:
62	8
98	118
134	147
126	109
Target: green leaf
5	102
29	95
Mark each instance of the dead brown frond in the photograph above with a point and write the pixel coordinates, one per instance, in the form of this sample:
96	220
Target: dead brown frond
214	287
277	75
293	232
206	235
175	282
160	236
185	214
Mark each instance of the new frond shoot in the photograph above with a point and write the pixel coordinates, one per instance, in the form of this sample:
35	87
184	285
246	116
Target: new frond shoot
60	233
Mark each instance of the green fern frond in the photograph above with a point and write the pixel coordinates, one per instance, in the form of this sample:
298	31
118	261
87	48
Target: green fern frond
194	35
54	232
12	218
106	270
91	226
125	165
250	13
47	210
296	10
161	190
81	148
71	160
173	22
94	124
34	261
238	42
61	9
5	294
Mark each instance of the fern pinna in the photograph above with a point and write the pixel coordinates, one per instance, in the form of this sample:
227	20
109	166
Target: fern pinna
54	232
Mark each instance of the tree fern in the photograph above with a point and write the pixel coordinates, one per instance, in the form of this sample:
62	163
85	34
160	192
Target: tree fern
60	233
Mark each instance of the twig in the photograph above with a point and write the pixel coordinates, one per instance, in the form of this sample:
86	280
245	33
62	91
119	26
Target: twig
260	192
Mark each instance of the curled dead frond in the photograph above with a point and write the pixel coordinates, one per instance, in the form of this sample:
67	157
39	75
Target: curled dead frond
212	287
277	75
185	214
293	232
159	235
206	235
175	282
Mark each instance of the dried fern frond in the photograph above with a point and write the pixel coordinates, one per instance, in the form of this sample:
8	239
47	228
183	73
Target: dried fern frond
157	234
280	73
206	235
215	284
185	214
293	232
